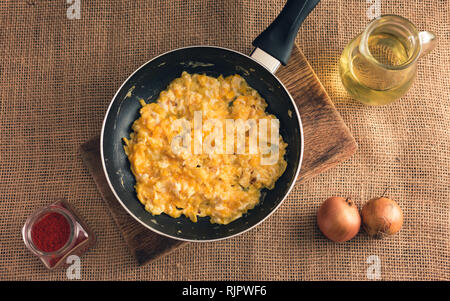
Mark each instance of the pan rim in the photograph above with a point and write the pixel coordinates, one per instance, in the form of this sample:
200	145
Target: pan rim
214	239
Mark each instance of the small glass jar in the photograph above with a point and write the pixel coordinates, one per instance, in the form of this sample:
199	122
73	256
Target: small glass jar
80	237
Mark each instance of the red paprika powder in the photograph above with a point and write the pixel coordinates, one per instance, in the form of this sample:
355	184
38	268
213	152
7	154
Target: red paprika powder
51	232
55	232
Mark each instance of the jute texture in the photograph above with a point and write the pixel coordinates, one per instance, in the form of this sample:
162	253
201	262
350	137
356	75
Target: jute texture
57	77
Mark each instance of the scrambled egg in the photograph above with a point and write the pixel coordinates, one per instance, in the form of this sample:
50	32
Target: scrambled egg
221	186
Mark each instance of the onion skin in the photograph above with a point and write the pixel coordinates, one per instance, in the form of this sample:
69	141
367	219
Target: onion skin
381	217
338	219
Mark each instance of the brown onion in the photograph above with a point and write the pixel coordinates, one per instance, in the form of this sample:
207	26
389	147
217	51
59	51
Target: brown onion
381	217
338	219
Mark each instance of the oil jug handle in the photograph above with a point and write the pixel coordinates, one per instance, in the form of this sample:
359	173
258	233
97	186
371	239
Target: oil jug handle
428	42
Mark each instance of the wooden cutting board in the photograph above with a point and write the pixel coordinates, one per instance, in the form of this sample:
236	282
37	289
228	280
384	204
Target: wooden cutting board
327	143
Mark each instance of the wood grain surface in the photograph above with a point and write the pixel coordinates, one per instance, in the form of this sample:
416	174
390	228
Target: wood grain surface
327	143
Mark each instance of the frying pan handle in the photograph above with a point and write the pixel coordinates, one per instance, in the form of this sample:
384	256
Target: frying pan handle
278	39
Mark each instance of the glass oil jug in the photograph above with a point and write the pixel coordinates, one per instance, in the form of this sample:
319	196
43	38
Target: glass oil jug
379	65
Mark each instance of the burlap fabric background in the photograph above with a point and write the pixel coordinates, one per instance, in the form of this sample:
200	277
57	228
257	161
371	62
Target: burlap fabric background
57	77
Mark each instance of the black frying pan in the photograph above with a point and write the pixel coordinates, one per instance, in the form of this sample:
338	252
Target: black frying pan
273	46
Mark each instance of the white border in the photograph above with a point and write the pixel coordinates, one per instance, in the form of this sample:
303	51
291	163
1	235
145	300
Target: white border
201	240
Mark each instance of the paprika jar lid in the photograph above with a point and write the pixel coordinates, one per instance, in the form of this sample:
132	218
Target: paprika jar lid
49	231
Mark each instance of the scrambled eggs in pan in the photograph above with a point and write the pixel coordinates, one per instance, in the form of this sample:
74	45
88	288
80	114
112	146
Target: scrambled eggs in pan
221	186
